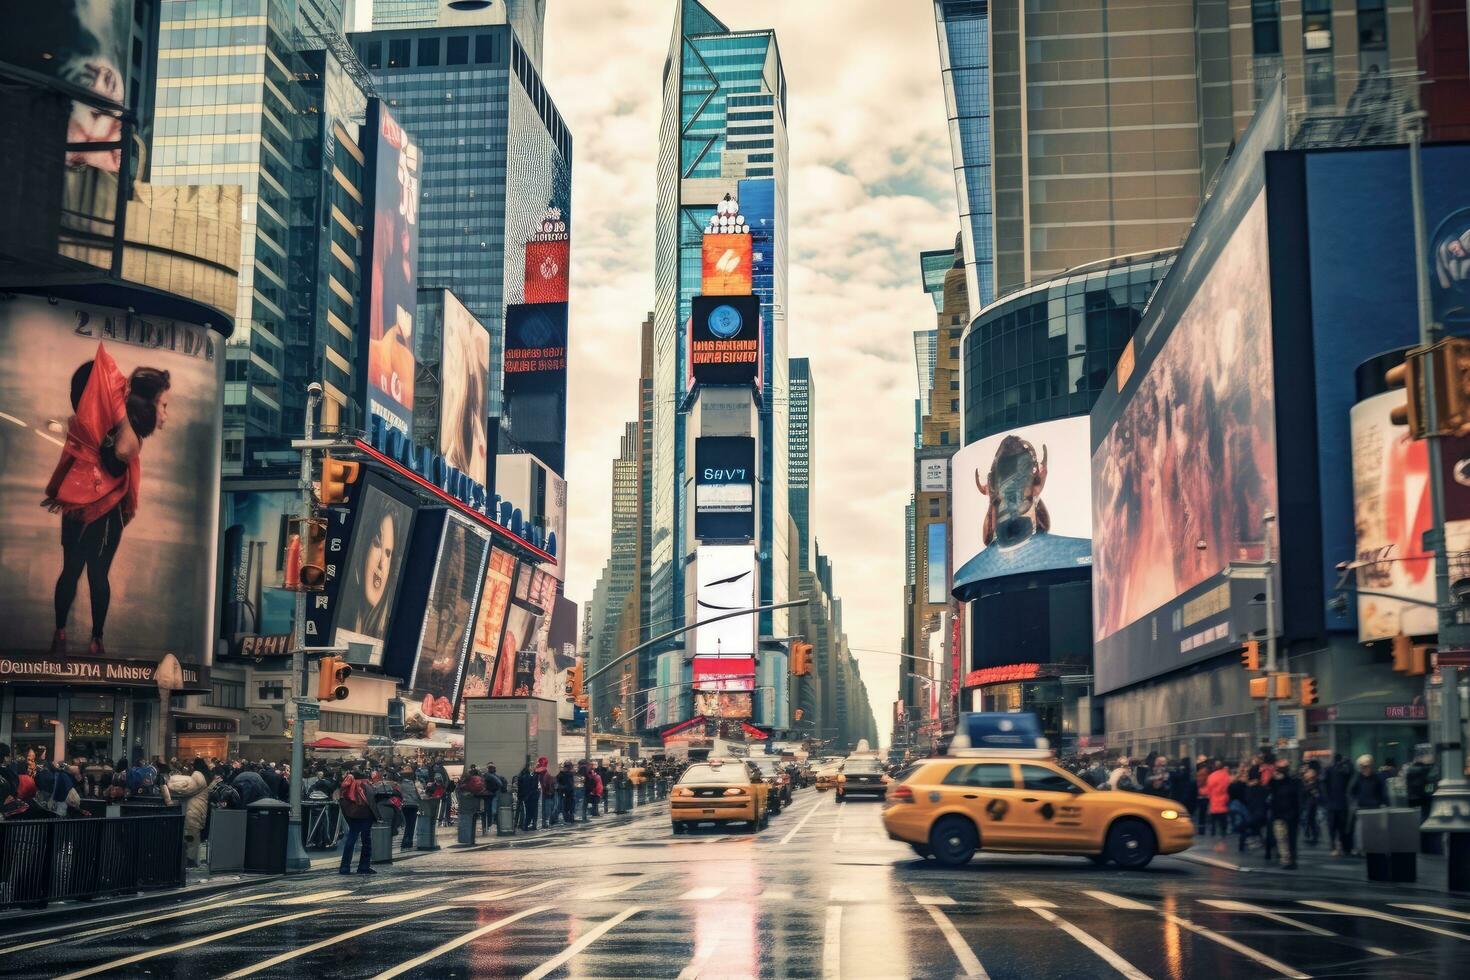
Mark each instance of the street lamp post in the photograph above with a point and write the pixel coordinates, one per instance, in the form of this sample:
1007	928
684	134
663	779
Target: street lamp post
1271	709
296	860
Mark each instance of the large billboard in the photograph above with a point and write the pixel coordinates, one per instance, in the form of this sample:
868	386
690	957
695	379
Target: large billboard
529	486
392	262
489	622
724	488
547	264
444	642
464	391
1022	501
725	265
723	704
366	588
725	339
109	489
726	582
936	565
1391	502
1184	469
724	673
258	612
536	379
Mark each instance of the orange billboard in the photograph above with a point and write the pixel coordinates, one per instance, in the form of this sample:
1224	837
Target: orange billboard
726	268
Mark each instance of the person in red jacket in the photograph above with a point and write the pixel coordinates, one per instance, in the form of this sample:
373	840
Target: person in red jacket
1217	788
357	810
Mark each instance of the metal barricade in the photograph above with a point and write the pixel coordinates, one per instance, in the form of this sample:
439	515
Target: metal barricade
47	860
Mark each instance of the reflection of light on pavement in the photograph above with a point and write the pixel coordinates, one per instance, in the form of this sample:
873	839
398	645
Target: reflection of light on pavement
1173	951
44	435
725	927
12	418
50	438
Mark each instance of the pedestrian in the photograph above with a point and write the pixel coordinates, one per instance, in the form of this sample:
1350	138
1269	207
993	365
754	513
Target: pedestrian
1420	779
1335	801
566	790
250	786
191	789
1285	804
1121	778
1158	777
550	809
1311	801
1201	812
594	787
1217	797
409	796
1258	812
358	812
142	777
528	797
1367	790
495	784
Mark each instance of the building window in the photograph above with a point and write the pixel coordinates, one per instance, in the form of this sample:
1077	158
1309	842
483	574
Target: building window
954	352
484	49
1372	37
272	690
954	404
1318	77
954	384
428	51
933	506
944	438
373	55
225	694
457	51
1266	27
398	52
349	724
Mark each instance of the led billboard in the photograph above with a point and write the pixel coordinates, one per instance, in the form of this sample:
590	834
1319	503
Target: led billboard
724	673
112	427
258	612
536	379
444	641
366	588
724	488
725	339
723	704
726	577
726	265
547	264
464	391
936	569
1022	501
489	621
392	261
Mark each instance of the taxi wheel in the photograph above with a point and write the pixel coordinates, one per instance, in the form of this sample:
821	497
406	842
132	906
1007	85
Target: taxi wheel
953	841
1131	844
1098	859
922	851
678	827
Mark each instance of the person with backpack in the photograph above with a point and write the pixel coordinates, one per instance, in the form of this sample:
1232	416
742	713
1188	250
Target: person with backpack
408	795
490	802
357	810
595	785
528	796
549	805
142	777
566	791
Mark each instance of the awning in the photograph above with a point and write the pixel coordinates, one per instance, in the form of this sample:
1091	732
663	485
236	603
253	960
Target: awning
426	744
752	732
331	743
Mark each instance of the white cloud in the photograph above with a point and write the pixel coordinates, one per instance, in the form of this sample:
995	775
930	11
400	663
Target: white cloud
871	187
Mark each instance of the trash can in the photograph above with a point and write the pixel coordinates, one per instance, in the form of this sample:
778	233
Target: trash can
267	823
382	843
424	836
319	824
226	840
505	816
1390	838
469	814
622	796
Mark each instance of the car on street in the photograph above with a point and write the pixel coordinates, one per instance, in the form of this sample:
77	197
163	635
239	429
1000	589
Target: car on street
720	791
862	776
949	808
778	782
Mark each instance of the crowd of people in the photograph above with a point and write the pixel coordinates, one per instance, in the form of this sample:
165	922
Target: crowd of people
1268	803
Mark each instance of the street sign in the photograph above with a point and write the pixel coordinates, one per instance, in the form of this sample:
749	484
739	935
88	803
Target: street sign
1289	726
1452	658
308	710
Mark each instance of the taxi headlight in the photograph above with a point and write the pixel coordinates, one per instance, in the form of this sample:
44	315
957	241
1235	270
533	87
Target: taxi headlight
1170	814
732	791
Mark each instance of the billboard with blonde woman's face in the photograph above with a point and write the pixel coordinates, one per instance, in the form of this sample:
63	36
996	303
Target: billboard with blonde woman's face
464	386
109	486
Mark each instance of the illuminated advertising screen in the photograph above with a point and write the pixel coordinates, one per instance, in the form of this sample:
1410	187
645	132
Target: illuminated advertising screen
489	621
1391	503
726	577
936	570
724	673
109	487
536	379
724	488
464	391
726	265
258	613
448	627
1022	501
1184	468
392	260
515	668
547	264
725	339
367	586
723	704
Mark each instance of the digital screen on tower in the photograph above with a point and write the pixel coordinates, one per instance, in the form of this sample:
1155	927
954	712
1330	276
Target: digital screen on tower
464	386
392	261
724	673
546	271
724	488
725	265
725	339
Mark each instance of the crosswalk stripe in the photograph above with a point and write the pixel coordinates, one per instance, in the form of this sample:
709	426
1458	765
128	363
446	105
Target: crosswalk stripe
933	899
962	950
832	944
1044	909
802	823
404	896
1397	920
1119	902
510	892
132	922
1265	913
190	944
459	941
777	895
1433	910
591	936
340	937
614	890
313	897
700	894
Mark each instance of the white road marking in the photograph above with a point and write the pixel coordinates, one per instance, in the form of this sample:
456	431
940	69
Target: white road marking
12	418
614	890
50	438
962	950
177	913
701	894
1217	862
933	899
1397	920
148	954
459	941
1380	951
1265	913
404	896
1044	909
837	825
510	892
792	833
832	944
591	936
1433	910
777	895
313	897
1119	902
340	937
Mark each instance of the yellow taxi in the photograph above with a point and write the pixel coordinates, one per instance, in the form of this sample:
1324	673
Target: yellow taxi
720	791
949	808
827	775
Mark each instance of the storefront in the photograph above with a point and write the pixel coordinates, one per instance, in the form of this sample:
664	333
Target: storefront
204	738
1056	693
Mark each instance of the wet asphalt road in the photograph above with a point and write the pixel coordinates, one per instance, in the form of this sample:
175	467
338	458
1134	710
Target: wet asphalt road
822	892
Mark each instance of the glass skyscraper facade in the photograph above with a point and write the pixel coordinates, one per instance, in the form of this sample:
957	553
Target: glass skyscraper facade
964	57
800	448
496	153
723	131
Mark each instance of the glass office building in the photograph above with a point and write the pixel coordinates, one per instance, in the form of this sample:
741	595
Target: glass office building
496	154
723	131
800	404
964	58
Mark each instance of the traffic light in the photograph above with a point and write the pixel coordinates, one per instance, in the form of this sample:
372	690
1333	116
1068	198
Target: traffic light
337	476
1403	653
574	682
1250	657
1419	659
801	658
1258	687
331	679
1281	685
1309	690
1409	376
313	575
1448	363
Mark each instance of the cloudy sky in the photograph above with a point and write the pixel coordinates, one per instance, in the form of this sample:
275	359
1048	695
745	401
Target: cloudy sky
870	188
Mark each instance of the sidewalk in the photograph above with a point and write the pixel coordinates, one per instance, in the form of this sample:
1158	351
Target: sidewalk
1312	862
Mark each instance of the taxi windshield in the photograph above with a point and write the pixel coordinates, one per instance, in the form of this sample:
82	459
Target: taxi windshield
862	765
709	775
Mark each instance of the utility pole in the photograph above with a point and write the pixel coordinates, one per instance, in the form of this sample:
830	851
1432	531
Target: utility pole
1269	518
296	860
1450	807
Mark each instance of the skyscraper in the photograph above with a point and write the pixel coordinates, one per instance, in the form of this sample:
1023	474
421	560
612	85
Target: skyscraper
526	17
722	133
800	403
